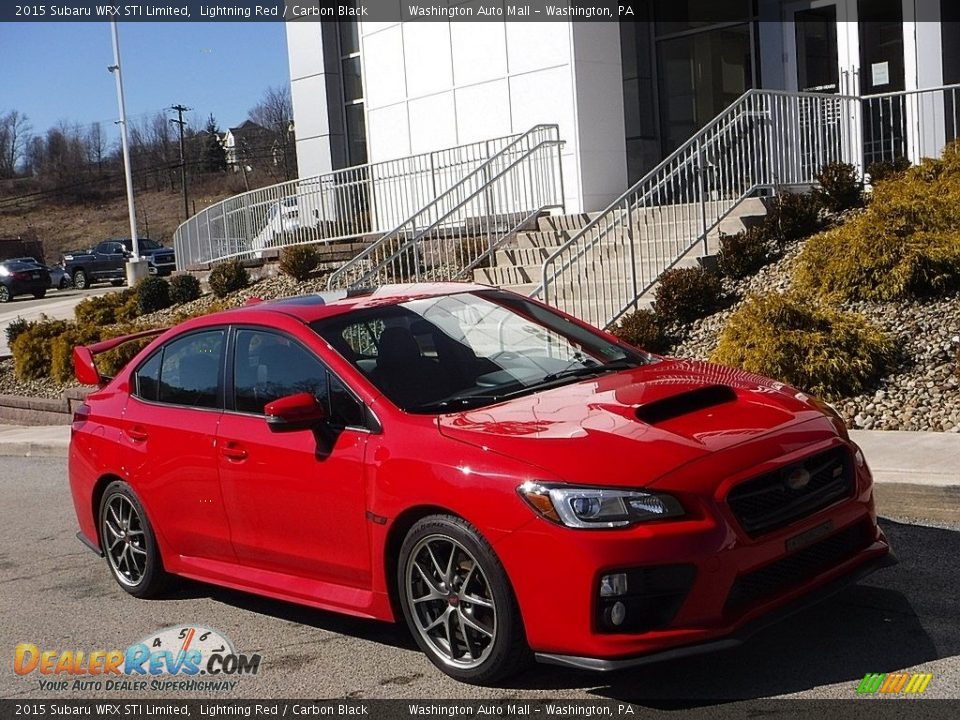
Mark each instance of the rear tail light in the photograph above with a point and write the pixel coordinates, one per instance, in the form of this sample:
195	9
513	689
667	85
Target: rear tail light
21	275
81	413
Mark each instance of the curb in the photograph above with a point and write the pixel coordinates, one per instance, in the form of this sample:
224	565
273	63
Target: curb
31	449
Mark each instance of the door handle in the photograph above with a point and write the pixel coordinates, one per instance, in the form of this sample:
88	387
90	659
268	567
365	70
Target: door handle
234	451
137	434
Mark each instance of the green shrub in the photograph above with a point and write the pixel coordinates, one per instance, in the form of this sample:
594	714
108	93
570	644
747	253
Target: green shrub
818	349
130	310
228	277
887	169
791	217
32	348
153	294
839	187
61	348
743	254
183	289
906	244
15	328
642	329
103	309
298	261
685	294
112	361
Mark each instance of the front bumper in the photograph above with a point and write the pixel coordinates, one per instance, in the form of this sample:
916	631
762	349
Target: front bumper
740	584
736	638
161	270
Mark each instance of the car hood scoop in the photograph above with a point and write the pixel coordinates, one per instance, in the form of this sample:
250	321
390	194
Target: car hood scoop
630	428
685	403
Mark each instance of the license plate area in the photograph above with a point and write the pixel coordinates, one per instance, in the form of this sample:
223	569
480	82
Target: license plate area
808	537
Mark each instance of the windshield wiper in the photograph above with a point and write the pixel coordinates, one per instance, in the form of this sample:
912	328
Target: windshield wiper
458	402
588	370
468	401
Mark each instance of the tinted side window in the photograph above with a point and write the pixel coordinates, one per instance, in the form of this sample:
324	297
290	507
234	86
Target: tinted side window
190	370
268	366
148	377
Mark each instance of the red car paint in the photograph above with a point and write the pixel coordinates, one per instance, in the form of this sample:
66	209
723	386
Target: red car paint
236	505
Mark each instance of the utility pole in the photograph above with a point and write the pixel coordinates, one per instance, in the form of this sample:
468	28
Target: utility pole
180	110
136	268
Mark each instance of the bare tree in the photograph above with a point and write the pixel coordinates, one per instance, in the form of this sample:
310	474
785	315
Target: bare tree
274	113
14	136
96	146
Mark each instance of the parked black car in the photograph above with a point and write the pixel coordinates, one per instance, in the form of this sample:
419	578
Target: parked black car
22	278
58	276
108	260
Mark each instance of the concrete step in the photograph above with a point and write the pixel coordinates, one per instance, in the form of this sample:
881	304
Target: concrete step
540	238
565	222
598	267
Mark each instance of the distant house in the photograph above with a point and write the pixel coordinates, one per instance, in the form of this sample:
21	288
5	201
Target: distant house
247	143
251	144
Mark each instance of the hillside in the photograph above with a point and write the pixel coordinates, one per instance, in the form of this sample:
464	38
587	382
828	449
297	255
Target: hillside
63	225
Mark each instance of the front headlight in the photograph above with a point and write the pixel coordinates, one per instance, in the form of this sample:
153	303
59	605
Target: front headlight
589	507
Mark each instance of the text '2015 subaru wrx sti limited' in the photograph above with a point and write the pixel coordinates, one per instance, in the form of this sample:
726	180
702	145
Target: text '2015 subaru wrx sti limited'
511	481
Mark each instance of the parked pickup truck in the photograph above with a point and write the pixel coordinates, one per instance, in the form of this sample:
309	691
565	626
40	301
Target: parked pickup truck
107	261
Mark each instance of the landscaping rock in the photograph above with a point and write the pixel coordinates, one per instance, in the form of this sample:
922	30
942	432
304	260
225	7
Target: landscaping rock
923	393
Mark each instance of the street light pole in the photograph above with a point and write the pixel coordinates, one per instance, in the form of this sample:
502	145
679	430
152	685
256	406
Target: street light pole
136	268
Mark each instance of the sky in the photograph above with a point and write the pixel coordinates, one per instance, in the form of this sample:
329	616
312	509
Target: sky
58	71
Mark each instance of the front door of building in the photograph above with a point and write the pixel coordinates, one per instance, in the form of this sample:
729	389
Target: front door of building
853	48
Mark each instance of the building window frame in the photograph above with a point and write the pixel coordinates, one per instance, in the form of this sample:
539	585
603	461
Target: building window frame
343	56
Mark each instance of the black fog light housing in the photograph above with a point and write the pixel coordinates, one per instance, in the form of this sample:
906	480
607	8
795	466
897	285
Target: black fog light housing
642	599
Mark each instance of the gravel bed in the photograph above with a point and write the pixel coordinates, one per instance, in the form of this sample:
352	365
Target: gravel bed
923	393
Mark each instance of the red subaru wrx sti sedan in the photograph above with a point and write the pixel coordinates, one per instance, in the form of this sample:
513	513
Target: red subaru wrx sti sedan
510	480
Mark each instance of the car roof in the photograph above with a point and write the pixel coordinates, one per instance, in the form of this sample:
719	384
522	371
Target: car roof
309	308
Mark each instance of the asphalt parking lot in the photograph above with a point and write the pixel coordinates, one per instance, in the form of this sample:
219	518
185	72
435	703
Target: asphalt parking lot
58	595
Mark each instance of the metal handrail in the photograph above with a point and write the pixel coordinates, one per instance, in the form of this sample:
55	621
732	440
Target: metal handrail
766	139
470	211
340	205
618	219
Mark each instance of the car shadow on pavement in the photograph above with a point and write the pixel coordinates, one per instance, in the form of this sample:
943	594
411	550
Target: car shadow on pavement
385	633
874	626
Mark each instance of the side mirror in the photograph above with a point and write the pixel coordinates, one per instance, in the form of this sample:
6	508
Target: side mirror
294	412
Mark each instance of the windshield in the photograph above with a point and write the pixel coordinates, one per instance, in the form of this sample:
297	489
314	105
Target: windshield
453	352
143	243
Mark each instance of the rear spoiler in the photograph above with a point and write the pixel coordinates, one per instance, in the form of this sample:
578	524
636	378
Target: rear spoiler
83	365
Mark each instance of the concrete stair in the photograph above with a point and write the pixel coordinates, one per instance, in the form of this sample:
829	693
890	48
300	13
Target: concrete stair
660	235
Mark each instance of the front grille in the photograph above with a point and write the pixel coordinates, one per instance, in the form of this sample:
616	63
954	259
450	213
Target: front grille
769	502
800	567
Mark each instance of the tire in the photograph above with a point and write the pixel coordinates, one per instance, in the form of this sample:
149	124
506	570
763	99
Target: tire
117	283
80	280
142	574
5	295
64	283
40	294
445	589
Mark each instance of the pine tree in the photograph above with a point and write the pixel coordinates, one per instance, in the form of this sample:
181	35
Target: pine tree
213	158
